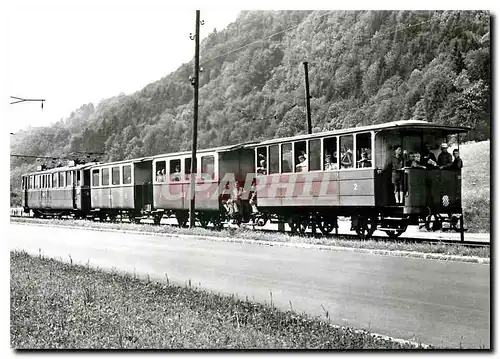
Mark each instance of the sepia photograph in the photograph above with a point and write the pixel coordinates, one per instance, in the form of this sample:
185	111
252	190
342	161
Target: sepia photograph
215	177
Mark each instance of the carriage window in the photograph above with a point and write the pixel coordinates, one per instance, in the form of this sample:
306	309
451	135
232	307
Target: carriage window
330	155
346	154
187	168
175	170
105	176
54	180
43	181
61	179
115	175
95	178
32	180
68	178
363	150
274	159
208	166
160	170
300	156
315	155
127	174
74	178
261	154
78	178
286	158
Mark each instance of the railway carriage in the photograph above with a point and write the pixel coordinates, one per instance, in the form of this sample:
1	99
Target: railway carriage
218	169
122	188
57	191
346	173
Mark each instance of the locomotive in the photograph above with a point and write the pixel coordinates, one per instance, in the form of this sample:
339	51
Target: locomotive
306	181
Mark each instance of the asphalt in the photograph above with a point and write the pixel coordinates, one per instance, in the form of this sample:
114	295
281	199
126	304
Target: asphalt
435	302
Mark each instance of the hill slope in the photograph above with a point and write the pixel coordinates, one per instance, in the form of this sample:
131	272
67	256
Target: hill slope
364	67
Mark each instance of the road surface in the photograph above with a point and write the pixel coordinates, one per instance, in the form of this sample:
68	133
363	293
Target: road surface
434	302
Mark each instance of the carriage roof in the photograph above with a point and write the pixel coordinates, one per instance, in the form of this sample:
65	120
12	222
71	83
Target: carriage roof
61	169
408	124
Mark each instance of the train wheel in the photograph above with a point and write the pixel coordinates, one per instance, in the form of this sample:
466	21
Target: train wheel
157	219
133	219
181	219
326	225
456	224
204	221
218	221
112	218
298	224
365	227
433	222
394	234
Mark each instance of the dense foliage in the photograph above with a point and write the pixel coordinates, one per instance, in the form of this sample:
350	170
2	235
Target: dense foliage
364	67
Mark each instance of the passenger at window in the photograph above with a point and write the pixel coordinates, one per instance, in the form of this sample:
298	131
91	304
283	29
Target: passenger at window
302	165
428	157
346	159
364	161
163	175
444	157
329	165
416	160
158	176
262	169
456	164
176	176
397	173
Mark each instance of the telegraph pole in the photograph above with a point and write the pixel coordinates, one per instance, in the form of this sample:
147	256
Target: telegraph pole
308	104
195	83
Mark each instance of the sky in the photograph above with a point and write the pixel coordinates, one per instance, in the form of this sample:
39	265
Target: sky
73	53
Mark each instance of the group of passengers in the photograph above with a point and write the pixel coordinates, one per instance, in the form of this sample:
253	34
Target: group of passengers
161	175
426	160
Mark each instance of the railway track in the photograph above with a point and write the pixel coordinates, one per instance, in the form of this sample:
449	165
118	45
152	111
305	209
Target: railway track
349	236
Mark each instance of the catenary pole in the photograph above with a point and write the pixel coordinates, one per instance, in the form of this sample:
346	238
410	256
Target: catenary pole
195	121
308	103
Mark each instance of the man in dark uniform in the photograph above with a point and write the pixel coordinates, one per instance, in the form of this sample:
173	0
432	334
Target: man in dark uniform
428	157
457	162
444	157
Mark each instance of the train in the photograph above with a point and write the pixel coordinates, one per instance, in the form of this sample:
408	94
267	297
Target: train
306	182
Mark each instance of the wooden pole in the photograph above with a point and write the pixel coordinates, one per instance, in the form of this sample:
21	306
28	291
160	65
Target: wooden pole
195	122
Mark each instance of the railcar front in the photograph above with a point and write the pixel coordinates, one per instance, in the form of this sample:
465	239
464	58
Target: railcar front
57	191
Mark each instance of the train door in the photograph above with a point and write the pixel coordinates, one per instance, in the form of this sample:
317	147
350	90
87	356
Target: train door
143	185
25	191
85	190
73	189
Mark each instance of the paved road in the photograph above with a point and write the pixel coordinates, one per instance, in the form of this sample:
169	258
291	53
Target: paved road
435	302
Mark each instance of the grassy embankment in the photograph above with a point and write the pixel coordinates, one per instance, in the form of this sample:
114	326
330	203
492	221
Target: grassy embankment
61	305
476	185
248	234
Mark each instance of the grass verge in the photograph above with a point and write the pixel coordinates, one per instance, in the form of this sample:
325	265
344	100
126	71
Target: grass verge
476	183
389	245
56	305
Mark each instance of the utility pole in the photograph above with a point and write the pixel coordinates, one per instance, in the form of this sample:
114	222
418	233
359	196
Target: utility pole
195	83
308	104
20	99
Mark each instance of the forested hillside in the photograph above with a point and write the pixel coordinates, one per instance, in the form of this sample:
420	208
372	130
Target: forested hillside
364	67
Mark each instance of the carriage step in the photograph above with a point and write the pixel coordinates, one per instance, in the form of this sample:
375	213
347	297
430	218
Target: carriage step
388	229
